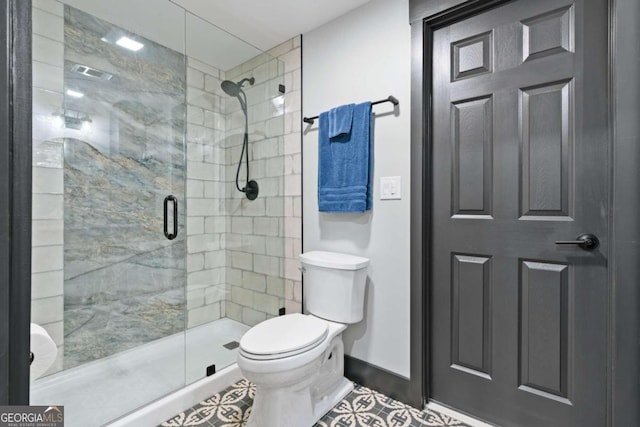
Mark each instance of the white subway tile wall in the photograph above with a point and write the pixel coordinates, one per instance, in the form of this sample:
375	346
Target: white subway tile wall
259	240
47	308
264	236
206	288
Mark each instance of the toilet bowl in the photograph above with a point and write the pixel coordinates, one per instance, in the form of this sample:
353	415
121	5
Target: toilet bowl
296	361
288	387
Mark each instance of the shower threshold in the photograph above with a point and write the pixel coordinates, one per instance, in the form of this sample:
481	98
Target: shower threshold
104	390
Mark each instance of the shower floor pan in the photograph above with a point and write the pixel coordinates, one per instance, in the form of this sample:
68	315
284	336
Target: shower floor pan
99	392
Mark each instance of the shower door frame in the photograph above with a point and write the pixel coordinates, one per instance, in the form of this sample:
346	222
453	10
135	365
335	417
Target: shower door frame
15	211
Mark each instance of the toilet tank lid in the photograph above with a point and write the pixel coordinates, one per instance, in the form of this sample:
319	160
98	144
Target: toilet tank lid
334	260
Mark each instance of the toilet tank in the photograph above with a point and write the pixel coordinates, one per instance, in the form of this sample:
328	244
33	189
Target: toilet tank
334	285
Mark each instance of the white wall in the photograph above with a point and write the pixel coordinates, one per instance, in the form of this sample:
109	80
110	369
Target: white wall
366	55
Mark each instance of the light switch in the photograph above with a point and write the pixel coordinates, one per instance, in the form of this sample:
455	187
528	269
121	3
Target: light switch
390	188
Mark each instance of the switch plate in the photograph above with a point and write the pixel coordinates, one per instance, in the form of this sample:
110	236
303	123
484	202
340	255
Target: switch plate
390	188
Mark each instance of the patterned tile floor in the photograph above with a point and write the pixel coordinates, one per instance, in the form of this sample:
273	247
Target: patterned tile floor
362	407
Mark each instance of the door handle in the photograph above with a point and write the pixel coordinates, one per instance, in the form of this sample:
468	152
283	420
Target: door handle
588	242
174	201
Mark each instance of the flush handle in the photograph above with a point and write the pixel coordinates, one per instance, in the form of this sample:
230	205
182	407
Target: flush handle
588	242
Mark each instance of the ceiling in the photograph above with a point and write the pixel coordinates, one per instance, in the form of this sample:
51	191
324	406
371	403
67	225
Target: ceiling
265	24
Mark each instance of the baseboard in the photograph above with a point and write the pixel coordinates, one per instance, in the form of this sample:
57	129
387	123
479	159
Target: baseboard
460	416
379	379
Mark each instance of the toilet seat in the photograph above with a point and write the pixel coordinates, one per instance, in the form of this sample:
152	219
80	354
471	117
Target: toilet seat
283	336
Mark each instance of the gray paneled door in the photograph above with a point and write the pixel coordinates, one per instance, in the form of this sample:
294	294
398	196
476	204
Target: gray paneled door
520	161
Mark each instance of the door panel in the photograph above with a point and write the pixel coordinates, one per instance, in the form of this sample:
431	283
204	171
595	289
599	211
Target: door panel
547	150
471	315
472	156
544	316
520	143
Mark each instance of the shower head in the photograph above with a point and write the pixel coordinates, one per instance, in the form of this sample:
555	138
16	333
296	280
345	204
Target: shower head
233	88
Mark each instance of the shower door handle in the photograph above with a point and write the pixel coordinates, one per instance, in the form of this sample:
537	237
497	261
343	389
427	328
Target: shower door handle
174	201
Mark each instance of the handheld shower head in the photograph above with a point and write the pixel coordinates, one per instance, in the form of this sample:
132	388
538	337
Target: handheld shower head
230	88
233	88
251	188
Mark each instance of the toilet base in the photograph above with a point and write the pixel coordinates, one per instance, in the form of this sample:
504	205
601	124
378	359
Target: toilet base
344	387
290	407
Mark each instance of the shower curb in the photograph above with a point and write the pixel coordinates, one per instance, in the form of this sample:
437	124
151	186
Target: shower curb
181	400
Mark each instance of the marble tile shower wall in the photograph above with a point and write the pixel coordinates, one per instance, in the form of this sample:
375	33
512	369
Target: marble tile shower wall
264	236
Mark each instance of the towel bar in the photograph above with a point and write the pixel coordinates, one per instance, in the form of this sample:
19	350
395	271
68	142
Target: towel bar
392	99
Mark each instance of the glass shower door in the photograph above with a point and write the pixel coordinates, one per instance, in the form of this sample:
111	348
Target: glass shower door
109	272
124	279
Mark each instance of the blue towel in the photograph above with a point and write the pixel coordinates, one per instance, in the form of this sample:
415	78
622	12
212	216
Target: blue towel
340	119
345	164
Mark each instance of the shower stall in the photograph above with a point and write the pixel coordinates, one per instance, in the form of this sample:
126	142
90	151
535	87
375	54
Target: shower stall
148	263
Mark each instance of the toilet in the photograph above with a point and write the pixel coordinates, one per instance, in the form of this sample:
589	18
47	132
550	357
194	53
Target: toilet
296	361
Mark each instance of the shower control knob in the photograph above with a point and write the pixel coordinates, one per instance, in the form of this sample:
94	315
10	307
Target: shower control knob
251	190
